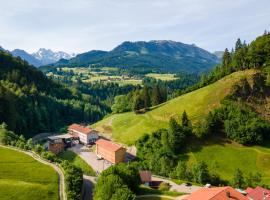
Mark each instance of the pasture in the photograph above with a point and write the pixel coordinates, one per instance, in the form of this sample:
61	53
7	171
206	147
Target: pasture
128	127
163	77
24	178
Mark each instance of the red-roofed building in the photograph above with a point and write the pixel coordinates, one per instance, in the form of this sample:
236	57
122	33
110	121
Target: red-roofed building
258	193
218	193
112	152
84	133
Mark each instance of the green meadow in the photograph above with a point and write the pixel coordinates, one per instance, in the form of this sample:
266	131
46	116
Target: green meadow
24	178
128	127
222	157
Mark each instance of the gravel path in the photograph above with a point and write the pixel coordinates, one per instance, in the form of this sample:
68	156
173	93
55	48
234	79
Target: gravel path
61	178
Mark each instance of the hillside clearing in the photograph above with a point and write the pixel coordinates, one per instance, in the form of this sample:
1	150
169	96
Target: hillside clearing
23	178
128	127
224	157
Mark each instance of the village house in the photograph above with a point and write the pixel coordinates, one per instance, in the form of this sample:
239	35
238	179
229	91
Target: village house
146	177
217	193
112	152
83	133
258	193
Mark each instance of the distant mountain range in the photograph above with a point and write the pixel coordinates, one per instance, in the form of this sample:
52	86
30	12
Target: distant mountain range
41	57
159	55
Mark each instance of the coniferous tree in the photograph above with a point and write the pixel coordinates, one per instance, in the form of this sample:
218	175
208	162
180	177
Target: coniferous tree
185	120
226	59
238	179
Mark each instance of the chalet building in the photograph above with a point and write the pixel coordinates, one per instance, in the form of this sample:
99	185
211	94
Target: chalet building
218	193
146	177
83	133
112	152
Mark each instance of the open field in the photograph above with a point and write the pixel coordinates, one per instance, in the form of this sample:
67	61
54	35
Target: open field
24	178
163	77
128	127
77	161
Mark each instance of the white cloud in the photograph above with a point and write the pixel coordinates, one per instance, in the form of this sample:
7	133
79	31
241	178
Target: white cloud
82	25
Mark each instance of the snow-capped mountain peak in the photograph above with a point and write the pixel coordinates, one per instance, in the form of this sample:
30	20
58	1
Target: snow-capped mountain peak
47	56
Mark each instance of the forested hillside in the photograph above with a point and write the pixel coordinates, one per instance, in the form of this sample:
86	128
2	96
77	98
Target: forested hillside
31	103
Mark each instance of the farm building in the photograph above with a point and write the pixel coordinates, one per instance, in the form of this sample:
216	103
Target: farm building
86	135
112	152
58	143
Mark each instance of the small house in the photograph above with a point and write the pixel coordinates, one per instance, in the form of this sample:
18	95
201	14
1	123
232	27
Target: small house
146	177
85	134
112	152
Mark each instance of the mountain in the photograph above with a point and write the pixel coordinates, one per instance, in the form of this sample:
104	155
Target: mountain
42	56
47	56
2	49
27	57
219	54
159	55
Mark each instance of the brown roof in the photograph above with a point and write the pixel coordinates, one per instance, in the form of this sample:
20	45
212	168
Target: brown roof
146	176
108	145
218	193
258	193
80	128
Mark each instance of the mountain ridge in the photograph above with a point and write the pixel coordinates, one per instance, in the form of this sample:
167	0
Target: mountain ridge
159	55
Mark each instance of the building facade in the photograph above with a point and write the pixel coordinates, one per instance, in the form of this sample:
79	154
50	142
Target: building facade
112	152
86	135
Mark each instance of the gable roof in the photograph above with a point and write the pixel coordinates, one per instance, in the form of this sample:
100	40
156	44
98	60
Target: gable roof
218	193
106	144
145	176
80	128
259	193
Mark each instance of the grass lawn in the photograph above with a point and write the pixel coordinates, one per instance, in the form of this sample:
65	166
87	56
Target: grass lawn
128	127
24	178
163	77
77	161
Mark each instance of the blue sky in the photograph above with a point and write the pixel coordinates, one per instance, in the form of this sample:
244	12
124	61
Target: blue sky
83	25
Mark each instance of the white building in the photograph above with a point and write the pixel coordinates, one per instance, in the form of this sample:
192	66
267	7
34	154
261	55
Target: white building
86	135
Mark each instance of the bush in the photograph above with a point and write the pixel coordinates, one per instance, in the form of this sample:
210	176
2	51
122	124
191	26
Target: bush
164	186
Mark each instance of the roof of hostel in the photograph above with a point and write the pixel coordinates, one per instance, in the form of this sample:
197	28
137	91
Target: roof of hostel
110	146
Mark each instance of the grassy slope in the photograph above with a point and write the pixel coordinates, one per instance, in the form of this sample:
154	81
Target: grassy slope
224	157
221	156
128	127
77	161
23	178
